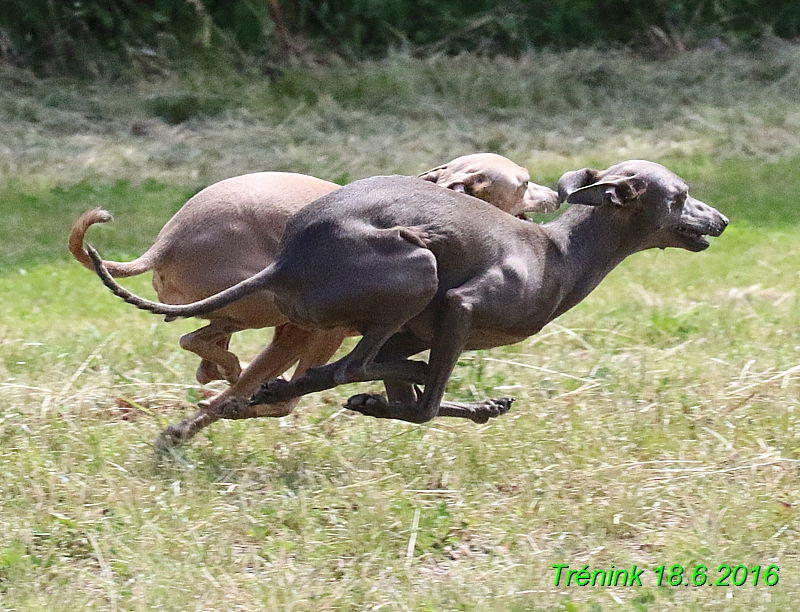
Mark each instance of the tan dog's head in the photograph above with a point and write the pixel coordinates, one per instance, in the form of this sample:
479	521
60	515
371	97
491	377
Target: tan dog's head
496	180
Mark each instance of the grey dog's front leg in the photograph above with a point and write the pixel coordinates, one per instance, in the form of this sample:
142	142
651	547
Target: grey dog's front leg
320	379
480	412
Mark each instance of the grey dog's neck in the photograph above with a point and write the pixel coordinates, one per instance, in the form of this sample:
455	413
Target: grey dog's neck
589	240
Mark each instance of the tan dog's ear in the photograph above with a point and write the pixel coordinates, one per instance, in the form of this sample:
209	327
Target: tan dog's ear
433	174
616	190
471	183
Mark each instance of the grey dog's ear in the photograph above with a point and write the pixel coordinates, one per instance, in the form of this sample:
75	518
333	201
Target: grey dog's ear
574	180
616	190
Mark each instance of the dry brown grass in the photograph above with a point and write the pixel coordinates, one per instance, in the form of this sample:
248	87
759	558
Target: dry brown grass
546	111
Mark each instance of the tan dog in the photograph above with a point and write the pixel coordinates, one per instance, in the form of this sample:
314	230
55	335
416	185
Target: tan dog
231	230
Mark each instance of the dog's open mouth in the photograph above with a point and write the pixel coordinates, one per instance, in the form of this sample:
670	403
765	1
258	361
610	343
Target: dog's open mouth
692	239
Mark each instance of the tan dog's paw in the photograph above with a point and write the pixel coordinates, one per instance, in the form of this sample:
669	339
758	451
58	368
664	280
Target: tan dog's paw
208	371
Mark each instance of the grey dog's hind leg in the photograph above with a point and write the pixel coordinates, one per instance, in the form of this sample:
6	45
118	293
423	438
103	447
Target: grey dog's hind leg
320	379
377	406
448	343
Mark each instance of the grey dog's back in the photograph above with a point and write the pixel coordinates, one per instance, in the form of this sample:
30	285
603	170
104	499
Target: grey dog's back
388	201
452	225
375	236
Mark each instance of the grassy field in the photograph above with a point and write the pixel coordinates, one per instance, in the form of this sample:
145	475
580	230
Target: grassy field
656	423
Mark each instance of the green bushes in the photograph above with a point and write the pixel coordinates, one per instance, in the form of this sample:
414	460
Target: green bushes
512	27
101	36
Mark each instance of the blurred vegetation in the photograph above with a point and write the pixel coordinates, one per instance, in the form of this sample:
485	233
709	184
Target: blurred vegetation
104	37
758	196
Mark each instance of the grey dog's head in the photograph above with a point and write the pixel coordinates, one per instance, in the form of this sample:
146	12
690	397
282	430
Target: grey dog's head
656	198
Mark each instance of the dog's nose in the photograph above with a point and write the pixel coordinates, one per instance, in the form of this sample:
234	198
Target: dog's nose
717	218
721	223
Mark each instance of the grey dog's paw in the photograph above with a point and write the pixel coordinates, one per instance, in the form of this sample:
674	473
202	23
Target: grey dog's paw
363	402
491	409
374	405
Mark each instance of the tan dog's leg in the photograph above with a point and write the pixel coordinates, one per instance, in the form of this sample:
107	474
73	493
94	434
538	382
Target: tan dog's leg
312	348
209	371
289	344
318	350
210	343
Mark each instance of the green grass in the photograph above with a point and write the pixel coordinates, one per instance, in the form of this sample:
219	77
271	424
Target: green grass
646	459
656	423
37	221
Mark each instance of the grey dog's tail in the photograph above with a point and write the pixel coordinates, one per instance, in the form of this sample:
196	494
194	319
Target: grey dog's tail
257	282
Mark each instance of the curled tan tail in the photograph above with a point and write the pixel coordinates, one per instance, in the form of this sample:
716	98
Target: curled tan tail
257	282
117	269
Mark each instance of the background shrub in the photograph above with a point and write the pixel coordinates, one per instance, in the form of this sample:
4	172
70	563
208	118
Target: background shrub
103	36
